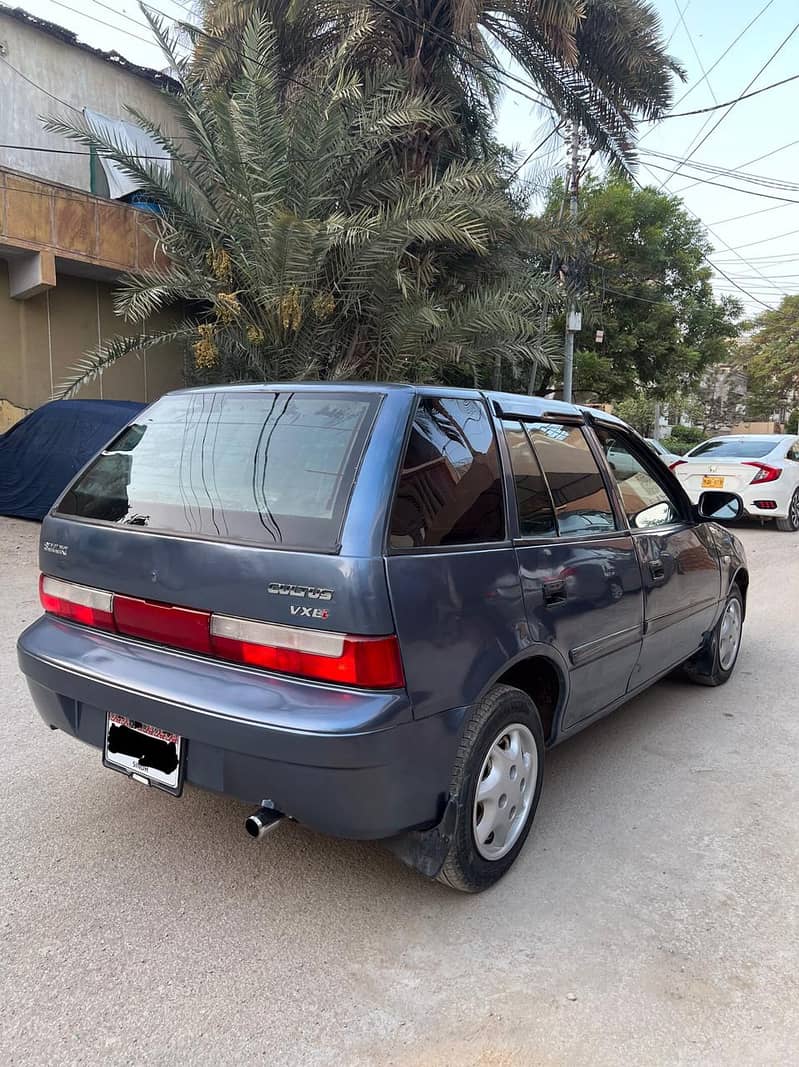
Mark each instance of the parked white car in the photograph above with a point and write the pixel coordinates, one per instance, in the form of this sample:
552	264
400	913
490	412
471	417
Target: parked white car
762	469
663	453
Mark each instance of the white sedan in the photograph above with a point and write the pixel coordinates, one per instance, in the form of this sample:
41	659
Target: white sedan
762	469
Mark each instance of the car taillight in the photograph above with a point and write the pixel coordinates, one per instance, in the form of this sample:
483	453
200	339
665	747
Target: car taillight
164	623
78	603
764	473
677	463
364	662
369	662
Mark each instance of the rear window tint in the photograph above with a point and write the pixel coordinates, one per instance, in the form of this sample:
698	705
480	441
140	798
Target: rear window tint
450	488
746	448
272	468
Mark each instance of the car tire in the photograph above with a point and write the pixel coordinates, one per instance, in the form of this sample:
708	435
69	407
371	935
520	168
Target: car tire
716	662
505	721
790	524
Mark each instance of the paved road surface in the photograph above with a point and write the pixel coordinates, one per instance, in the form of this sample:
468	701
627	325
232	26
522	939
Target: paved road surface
651	919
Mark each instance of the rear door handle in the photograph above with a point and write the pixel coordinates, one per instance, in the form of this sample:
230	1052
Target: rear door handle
657	570
554	591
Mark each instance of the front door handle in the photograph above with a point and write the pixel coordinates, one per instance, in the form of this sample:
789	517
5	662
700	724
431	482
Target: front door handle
554	591
657	570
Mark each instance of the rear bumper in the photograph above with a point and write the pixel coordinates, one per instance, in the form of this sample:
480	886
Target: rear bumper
353	764
772	492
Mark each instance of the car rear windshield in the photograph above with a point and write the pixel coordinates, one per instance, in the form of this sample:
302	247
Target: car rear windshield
736	448
272	468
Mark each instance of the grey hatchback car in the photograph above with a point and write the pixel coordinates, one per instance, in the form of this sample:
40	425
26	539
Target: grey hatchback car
372	608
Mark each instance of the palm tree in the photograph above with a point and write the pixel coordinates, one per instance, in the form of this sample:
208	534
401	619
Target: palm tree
300	247
600	63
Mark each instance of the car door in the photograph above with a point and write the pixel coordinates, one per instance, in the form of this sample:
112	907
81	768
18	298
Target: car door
579	571
679	563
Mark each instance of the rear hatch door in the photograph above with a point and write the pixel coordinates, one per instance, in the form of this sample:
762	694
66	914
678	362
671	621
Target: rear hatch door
230	501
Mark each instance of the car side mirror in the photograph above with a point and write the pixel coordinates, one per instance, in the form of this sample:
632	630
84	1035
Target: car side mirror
719	507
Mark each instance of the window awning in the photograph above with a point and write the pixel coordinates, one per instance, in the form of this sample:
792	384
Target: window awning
134	140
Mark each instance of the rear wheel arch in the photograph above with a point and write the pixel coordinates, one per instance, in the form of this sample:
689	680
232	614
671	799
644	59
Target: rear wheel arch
741	579
544	681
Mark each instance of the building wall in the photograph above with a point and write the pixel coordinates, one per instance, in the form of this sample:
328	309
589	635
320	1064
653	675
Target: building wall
73	75
44	336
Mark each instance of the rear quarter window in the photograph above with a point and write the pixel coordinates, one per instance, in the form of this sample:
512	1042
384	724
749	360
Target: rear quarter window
450	486
273	468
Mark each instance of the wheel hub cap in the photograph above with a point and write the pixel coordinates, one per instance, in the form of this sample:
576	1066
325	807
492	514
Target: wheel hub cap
730	634
505	791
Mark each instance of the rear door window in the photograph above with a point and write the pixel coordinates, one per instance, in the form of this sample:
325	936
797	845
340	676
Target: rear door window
450	487
582	505
274	468
533	502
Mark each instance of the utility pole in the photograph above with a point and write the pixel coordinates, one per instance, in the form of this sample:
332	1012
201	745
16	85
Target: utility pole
573	316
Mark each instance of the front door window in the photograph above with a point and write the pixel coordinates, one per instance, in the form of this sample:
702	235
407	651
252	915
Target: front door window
647	503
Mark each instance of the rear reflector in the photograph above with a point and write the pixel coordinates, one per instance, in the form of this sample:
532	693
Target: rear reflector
767	505
79	603
163	623
764	473
365	662
371	662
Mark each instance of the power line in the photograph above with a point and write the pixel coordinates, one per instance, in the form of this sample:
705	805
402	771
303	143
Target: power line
748	163
670	38
749	214
737	99
71	151
696	53
109	25
765	240
722	185
710	262
743	96
463	46
122	15
766	180
41	88
710	70
538	147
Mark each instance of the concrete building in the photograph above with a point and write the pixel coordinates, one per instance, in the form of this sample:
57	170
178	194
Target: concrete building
63	242
723	390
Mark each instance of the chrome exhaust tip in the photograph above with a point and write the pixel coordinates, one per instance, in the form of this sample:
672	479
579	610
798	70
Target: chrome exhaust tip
262	821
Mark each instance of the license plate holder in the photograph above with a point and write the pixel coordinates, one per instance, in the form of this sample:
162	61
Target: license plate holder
146	753
709	482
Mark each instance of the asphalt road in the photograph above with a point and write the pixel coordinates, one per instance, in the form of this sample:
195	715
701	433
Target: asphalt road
653	917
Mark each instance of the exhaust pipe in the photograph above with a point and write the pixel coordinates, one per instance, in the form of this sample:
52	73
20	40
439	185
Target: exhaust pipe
262	821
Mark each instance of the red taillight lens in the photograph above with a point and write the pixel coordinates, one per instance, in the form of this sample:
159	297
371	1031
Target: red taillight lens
764	473
78	603
164	623
677	463
368	662
365	662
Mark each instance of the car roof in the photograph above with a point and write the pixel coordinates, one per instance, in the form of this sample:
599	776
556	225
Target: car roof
536	405
775	437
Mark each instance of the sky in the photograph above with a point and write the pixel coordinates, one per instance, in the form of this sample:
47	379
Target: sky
758	252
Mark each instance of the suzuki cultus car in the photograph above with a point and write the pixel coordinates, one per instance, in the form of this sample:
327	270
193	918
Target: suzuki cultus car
372	608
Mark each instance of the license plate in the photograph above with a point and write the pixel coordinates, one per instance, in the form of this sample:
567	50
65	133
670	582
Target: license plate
145	753
712	483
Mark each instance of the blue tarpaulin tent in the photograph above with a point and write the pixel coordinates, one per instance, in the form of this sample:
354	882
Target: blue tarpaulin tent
41	454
